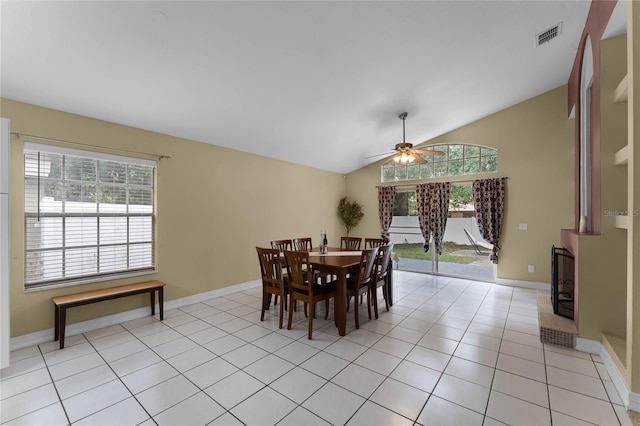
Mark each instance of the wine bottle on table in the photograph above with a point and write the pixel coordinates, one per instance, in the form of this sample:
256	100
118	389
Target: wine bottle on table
325	243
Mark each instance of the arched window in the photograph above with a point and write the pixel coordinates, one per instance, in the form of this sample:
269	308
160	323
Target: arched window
458	160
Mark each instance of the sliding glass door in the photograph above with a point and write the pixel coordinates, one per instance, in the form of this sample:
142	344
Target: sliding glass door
465	253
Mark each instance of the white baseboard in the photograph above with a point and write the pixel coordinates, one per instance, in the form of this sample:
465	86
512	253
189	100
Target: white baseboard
630	399
44	336
589	346
524	284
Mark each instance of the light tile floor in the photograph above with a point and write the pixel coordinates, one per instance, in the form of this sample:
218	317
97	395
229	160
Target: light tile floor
449	352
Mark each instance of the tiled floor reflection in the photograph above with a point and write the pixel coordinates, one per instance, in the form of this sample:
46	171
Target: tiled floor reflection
449	352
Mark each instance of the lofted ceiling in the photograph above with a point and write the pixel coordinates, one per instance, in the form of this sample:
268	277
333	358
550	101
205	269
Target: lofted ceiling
314	83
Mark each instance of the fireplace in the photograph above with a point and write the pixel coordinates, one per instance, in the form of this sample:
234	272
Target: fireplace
562	281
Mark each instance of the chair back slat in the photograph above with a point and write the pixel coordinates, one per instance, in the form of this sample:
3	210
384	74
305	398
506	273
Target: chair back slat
298	269
374	242
384	257
366	267
282	245
350	243
302	244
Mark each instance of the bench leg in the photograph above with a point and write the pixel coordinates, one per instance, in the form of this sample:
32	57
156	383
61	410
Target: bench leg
62	321
56	320
161	302
152	293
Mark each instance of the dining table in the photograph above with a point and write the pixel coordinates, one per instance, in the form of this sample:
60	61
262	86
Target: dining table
339	262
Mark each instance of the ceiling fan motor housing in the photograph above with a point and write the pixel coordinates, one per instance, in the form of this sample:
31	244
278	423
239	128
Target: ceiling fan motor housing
404	146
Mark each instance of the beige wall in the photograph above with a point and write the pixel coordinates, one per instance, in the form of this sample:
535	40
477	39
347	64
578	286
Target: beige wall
534	140
214	205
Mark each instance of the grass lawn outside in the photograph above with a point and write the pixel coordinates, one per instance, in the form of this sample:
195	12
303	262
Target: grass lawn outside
416	251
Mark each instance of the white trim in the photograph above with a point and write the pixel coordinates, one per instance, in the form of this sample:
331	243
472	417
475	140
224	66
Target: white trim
35	147
589	346
5	243
44	336
525	284
634	401
630	399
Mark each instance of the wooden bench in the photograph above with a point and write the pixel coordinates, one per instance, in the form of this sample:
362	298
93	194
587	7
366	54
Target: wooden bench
70	300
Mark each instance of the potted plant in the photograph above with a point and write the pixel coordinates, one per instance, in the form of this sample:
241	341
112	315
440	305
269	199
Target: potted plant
350	213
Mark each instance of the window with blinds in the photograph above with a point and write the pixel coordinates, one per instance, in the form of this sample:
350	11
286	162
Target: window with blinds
88	216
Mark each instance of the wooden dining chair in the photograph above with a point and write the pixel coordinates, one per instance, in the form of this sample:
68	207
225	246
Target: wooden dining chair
374	242
350	243
281	245
272	280
303	289
302	244
360	282
305	244
381	277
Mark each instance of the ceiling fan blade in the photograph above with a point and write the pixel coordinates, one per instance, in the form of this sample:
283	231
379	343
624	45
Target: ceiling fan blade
428	152
380	155
419	160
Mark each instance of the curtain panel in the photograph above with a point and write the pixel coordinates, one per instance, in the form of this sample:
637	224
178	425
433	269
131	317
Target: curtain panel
433	209
489	197
386	198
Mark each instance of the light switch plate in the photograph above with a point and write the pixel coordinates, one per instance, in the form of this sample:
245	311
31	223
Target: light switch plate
523	226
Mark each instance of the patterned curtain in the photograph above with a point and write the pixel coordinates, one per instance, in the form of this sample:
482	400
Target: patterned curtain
386	198
433	209
488	197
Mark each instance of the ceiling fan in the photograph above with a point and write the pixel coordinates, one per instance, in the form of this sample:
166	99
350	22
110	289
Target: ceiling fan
405	153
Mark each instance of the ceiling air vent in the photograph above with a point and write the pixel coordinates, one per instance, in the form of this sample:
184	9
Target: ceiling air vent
548	35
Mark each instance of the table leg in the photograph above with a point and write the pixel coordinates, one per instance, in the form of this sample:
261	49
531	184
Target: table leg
161	302
340	302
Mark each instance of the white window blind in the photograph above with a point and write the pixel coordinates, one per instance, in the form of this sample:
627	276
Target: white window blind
88	216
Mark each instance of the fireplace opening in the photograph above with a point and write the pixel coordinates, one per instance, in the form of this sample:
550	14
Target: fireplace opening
562	281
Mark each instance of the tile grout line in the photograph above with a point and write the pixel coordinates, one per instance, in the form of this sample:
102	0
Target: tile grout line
120	379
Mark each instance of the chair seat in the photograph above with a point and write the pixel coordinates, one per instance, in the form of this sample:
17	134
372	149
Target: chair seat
352	284
319	288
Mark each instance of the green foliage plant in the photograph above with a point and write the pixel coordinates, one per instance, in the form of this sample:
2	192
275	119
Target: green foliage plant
350	213
460	196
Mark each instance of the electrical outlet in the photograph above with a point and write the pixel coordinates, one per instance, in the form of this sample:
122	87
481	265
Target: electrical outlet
523	226
531	268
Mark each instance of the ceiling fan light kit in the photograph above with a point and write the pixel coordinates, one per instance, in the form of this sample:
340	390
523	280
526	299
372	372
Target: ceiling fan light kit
404	151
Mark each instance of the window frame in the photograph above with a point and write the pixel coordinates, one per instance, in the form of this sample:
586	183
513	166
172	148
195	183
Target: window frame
127	237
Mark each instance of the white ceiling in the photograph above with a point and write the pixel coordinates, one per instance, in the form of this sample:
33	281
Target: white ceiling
314	83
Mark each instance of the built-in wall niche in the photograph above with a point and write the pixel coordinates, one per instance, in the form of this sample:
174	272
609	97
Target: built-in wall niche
621	157
621	94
